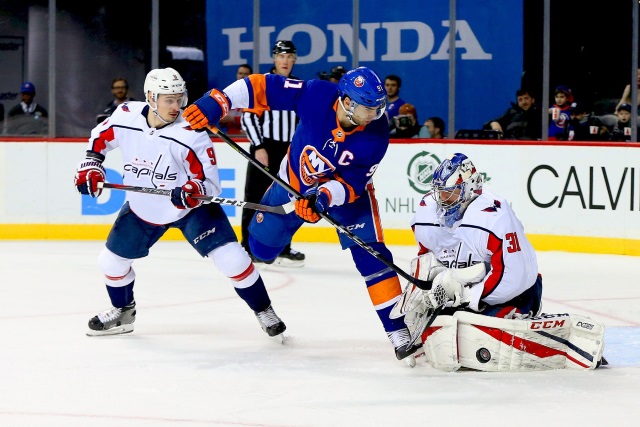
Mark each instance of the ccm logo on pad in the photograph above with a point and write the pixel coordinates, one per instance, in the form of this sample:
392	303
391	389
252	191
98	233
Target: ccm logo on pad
547	324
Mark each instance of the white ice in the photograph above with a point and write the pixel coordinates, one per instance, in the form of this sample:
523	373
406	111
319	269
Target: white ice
198	357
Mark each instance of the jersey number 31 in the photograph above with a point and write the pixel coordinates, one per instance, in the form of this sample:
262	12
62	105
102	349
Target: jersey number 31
514	244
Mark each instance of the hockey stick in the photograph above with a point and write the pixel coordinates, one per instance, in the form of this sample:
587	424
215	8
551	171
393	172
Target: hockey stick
282	210
422	284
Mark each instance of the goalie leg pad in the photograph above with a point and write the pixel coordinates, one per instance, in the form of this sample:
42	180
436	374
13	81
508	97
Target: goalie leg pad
425	267
439	342
551	341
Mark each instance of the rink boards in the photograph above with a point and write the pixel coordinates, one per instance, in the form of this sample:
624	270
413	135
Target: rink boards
570	196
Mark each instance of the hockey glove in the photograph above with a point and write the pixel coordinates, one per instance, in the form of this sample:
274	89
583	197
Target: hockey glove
181	196
90	172
457	293
312	204
208	110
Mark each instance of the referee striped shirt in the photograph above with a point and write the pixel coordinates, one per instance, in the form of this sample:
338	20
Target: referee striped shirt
274	125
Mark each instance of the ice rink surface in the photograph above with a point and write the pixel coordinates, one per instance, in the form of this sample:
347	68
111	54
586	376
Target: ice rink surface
198	357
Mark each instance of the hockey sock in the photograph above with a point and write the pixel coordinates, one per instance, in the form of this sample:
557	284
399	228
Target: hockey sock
255	296
382	283
121	296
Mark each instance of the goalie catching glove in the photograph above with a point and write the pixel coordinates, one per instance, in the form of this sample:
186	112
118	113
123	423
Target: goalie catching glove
182	198
315	201
90	172
457	283
208	110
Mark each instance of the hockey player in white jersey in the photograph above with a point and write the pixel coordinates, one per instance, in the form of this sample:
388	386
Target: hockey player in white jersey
160	150
463	225
485	276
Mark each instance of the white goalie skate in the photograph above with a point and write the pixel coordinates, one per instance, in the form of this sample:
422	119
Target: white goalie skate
114	321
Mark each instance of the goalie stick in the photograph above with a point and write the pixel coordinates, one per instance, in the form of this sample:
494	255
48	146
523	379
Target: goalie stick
282	210
435	301
422	284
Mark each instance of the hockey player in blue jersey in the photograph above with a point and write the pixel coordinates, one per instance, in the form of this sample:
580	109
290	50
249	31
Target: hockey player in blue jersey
339	143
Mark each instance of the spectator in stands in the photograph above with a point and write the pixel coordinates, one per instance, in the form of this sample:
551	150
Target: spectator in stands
231	122
244	70
626	94
433	128
583	125
559	111
120	92
406	123
334	75
27	117
392	85
621	130
521	121
27	104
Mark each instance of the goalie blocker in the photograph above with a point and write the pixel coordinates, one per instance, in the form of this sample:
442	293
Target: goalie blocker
549	341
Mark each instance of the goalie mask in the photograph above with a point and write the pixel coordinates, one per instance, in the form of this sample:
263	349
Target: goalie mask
364	89
456	183
164	81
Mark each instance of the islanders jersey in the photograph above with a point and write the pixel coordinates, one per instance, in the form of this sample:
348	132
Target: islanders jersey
393	108
488	233
163	158
557	127
321	150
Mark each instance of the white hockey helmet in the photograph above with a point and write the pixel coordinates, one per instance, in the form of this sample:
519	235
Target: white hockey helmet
455	172
164	81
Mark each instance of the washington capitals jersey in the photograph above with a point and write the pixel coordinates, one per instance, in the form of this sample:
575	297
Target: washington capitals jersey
321	150
488	233
166	158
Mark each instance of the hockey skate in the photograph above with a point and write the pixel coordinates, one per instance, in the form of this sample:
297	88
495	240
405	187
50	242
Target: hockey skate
114	321
290	258
403	347
271	323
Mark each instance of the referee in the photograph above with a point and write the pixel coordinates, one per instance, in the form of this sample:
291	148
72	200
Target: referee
270	135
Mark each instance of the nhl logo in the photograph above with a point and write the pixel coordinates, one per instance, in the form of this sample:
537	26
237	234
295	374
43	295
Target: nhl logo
358	82
259	217
420	171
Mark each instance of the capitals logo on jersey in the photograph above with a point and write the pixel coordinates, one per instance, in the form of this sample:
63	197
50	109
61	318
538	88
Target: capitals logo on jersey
496	205
313	165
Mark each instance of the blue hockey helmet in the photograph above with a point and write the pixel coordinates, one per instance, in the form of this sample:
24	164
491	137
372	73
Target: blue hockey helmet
363	86
455	184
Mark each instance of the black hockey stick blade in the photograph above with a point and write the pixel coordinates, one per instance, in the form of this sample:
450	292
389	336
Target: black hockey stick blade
422	284
281	210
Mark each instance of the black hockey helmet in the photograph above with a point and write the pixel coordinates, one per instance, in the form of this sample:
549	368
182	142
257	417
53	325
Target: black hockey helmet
284	46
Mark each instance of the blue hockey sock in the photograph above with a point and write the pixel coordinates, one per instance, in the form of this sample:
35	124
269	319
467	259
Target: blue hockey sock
255	296
121	296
